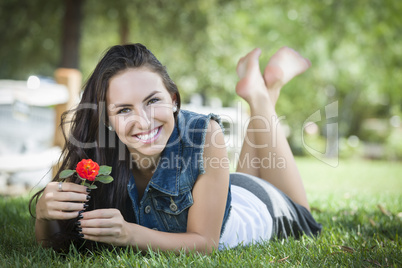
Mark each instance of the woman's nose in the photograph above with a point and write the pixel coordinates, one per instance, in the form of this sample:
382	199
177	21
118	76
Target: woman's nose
140	119
144	121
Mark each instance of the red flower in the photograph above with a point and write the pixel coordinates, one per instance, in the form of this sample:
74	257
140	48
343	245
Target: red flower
87	169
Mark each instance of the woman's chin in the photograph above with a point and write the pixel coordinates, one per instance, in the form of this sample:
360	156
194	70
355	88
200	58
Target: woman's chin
151	151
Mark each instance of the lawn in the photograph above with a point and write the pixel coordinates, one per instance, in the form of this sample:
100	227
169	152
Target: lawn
359	204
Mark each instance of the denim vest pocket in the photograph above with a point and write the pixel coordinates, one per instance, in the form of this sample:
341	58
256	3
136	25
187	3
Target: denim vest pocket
173	210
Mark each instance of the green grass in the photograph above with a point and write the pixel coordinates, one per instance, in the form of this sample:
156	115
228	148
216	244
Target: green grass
359	204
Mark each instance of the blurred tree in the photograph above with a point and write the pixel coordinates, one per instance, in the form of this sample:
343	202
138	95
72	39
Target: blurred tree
173	31
355	47
71	34
30	34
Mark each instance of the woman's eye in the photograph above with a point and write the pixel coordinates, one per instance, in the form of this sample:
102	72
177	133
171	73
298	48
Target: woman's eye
153	100
124	111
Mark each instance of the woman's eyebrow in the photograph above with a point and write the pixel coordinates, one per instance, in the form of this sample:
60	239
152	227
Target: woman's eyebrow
150	95
145	99
121	105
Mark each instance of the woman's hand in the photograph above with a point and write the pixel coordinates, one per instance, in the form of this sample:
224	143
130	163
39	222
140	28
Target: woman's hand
61	205
105	225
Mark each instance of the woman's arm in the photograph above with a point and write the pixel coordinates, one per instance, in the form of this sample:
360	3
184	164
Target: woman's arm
54	205
204	218
210	191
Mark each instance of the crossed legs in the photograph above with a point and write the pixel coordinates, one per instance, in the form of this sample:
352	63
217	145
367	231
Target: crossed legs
264	137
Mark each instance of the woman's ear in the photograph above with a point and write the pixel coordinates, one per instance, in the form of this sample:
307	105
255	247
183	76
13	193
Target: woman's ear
174	103
174	99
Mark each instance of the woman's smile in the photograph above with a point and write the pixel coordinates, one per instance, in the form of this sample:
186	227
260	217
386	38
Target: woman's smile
150	136
140	111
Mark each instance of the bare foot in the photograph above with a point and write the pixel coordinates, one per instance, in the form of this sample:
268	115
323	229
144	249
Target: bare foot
285	64
251	84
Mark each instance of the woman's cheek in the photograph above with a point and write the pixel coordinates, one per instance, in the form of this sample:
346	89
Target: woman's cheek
163	111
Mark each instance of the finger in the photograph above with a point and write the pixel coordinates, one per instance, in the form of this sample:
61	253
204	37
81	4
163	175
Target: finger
113	232
67	206
62	215
103	239
101	214
70	187
97	223
70	197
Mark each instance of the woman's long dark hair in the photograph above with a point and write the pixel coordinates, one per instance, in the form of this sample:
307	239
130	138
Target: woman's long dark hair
90	138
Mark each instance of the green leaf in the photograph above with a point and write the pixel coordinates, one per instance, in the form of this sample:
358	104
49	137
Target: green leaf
105	170
90	186
66	173
93	186
104	179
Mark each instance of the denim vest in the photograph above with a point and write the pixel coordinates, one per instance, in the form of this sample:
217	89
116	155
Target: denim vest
168	196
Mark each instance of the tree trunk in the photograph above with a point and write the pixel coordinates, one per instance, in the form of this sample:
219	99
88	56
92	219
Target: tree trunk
71	34
124	30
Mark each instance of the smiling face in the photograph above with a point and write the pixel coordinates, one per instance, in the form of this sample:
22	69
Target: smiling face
140	111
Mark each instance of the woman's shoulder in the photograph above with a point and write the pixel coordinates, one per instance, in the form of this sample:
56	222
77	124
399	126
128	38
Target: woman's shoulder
193	127
196	122
196	130
187	115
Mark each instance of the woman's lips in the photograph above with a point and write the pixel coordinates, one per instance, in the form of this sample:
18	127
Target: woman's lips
150	136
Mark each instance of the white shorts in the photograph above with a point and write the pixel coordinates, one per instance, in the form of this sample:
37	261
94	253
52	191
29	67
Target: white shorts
249	220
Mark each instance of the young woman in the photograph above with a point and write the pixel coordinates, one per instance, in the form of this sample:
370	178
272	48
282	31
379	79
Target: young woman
172	189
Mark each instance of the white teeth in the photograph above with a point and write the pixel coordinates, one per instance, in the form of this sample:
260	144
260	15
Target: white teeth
148	136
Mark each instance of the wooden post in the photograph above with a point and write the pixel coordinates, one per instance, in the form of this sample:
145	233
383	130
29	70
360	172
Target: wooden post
72	79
